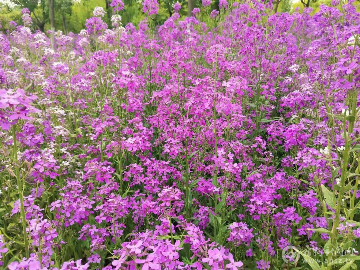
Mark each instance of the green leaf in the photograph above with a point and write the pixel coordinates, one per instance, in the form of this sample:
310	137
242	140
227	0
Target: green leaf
328	247
351	118
347	266
177	237
194	183
353	222
313	264
192	154
352	174
352	210
329	197
320	230
266	120
347	187
344	259
351	257
219	206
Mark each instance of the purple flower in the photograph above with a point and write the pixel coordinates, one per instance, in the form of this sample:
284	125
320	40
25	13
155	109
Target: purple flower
12	24
309	201
223	4
95	25
25	11
15	105
177	7
357	232
195	11
117	5
262	264
233	265
151	7
214	14
240	233
206	3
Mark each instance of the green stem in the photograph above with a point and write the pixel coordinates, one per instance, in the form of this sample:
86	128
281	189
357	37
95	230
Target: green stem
353	197
334	231
21	194
215	180
171	232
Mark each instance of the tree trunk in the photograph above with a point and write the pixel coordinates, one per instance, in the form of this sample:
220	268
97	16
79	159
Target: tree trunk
108	12
277	5
306	3
191	4
64	24
39	24
52	22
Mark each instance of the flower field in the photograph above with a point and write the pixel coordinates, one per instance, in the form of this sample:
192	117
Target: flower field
225	140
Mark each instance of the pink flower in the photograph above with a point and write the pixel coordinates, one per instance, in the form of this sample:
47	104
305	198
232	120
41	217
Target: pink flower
206	3
177	7
151	7
118	5
195	11
223	4
233	265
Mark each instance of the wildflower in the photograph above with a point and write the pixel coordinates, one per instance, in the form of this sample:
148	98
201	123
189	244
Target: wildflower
206	3
223	4
95	25
151	7
195	11
262	264
214	13
177	7
116	20
17	105
99	12
117	5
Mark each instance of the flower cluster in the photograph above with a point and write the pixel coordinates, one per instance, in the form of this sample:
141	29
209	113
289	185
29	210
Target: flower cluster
216	141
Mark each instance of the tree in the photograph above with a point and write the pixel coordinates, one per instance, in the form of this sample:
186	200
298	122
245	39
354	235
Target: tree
65	8
306	3
52	22
284	4
32	5
191	5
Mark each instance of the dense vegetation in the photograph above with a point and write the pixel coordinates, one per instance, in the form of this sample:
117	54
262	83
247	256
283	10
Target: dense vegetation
224	140
71	15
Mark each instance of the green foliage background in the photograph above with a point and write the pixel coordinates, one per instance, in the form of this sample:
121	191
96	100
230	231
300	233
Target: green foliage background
71	17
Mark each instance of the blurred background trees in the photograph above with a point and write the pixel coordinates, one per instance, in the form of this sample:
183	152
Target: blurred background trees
71	15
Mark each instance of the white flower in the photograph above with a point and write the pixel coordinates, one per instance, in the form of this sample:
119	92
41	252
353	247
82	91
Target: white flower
294	68
324	151
83	33
351	41
345	111
116	20
65	163
72	55
99	12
